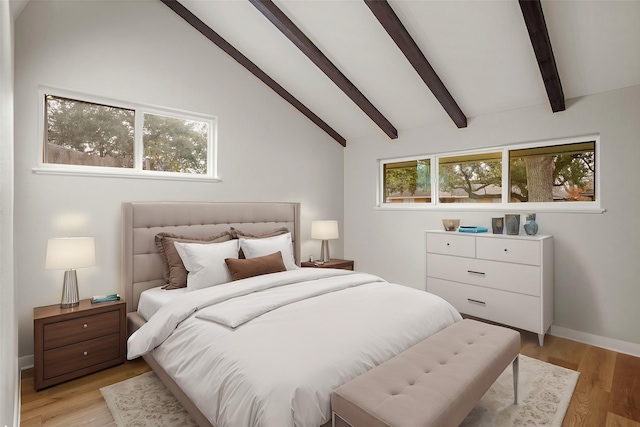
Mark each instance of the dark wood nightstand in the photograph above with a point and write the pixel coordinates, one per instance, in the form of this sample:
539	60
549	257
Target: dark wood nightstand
345	264
72	342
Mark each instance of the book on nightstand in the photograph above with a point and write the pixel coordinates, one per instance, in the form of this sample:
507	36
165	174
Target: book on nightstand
104	298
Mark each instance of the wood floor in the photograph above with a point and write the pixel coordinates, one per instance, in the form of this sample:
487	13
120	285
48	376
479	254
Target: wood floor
607	394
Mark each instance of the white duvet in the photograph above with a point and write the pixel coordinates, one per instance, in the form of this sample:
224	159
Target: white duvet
267	351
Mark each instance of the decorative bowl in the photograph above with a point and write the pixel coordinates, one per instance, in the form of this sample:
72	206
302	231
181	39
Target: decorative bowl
451	224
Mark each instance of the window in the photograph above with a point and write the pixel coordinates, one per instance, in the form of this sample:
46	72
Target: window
407	181
471	178
558	175
174	145
87	134
83	134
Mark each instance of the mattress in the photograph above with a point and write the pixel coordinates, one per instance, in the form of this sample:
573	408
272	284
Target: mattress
152	299
268	350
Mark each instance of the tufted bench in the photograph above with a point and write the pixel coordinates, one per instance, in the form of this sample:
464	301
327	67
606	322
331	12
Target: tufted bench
437	382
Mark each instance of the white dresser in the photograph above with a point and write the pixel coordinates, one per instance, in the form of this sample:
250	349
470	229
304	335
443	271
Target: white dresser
502	278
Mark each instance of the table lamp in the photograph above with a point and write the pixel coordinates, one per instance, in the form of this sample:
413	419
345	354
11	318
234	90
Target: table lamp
69	253
324	230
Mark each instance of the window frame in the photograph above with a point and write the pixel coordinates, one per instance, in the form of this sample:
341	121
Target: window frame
137	170
505	205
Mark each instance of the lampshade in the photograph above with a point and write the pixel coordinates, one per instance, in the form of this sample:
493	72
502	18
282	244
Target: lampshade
70	252
324	230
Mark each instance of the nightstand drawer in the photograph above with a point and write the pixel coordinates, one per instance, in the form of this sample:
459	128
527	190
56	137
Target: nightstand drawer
451	244
74	357
518	251
67	332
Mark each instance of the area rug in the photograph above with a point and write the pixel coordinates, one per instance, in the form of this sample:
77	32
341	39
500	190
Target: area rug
544	393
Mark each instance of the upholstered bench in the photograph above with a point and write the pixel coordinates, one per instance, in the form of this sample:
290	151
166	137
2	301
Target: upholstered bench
437	382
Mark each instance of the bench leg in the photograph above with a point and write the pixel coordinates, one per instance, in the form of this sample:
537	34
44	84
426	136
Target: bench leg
516	369
338	421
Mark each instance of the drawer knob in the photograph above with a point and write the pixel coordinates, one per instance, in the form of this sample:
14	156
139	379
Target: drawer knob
505	249
85	325
85	353
448	244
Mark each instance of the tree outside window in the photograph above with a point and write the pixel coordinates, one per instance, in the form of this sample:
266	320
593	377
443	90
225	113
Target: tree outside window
87	134
558	173
408	181
174	145
533	173
473	178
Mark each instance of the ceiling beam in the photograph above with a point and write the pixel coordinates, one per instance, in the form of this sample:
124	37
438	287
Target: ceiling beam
399	34
293	33
206	31
537	28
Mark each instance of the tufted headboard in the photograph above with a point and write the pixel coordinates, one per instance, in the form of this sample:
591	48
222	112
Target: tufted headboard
141	221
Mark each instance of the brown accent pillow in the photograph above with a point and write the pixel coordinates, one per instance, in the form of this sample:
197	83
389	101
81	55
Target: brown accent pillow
244	268
236	234
175	275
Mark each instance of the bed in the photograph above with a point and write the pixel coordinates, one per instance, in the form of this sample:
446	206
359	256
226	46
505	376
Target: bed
265	350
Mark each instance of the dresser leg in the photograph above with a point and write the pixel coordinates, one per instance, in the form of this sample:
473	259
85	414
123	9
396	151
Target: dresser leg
541	339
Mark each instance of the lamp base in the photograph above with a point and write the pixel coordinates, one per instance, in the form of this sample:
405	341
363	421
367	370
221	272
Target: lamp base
324	252
70	297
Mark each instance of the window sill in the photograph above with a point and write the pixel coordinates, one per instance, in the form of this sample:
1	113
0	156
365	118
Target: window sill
591	209
127	174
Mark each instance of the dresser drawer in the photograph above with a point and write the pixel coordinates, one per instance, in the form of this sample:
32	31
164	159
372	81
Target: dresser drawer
63	360
524	279
521	311
451	244
84	328
509	250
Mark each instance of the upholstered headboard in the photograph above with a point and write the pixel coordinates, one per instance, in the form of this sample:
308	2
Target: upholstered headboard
141	221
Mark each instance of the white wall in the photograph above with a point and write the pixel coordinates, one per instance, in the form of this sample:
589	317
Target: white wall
143	52
597	285
9	379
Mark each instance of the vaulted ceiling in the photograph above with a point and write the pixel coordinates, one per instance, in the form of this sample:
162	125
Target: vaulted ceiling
341	62
481	51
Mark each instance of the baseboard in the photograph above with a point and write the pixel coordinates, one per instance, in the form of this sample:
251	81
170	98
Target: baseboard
625	347
25	362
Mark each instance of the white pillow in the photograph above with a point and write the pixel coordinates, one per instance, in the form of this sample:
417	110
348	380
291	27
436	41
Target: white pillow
253	248
205	262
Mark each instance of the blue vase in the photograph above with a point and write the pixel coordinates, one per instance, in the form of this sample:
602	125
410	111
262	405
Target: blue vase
531	227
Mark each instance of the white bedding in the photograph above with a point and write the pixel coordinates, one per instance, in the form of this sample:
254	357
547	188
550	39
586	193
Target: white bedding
152	299
297	345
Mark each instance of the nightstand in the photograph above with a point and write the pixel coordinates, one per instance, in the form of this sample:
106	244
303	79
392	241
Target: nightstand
345	264
72	342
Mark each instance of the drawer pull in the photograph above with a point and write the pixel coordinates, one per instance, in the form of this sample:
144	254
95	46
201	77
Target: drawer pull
448	244
478	273
476	301
85	353
84	326
505	249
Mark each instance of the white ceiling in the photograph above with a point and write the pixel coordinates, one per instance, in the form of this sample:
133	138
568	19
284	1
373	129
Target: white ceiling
480	50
